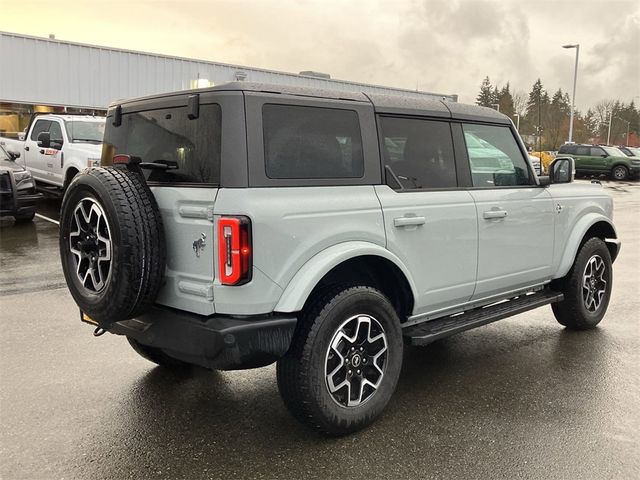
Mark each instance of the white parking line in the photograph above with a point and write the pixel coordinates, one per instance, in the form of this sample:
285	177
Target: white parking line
47	219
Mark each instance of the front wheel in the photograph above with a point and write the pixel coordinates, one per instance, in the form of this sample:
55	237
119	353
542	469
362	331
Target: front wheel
620	172
586	288
344	361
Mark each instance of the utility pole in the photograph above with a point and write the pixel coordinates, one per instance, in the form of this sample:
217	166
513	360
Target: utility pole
609	132
517	115
628	125
573	98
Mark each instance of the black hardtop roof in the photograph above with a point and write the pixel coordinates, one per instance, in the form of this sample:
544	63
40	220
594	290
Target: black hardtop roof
392	103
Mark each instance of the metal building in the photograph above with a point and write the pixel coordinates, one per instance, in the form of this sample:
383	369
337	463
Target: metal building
45	74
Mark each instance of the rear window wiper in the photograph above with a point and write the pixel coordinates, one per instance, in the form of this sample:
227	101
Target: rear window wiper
159	165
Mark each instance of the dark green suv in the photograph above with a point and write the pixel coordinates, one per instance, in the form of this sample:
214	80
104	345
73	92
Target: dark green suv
600	159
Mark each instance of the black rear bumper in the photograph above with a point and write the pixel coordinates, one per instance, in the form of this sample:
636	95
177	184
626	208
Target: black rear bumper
217	342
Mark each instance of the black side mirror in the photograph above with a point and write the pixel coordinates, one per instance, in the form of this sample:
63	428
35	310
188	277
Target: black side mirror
44	140
14	155
562	170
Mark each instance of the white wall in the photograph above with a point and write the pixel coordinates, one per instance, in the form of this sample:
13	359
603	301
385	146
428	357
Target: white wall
43	71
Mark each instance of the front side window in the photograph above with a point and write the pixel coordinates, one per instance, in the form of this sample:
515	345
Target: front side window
38	128
494	157
186	150
418	154
311	142
55	133
597	152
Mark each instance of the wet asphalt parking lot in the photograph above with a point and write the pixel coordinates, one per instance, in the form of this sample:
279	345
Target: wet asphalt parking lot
520	398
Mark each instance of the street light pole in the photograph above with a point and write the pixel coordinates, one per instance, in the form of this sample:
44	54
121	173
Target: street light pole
573	97
517	115
628	125
609	131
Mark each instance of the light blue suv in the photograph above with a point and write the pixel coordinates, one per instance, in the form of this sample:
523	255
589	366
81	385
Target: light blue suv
246	224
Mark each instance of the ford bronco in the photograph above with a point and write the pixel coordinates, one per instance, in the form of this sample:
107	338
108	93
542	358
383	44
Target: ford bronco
246	224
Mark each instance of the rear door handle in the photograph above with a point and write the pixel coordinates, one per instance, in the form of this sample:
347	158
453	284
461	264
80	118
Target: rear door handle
494	214
408	221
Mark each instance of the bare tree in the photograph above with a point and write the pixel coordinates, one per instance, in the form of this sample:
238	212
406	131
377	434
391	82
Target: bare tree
520	100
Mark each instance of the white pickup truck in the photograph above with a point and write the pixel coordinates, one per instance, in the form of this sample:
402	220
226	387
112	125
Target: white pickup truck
58	146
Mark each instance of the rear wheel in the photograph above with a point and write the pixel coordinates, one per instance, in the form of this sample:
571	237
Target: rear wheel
344	361
586	288
156	355
620	172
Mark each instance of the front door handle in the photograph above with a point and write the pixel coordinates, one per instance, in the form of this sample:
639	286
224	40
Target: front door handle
42	152
494	214
408	221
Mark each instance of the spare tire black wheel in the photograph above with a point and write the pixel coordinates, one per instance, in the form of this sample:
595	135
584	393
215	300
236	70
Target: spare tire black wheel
112	244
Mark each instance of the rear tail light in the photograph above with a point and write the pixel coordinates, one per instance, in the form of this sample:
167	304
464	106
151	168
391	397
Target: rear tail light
234	250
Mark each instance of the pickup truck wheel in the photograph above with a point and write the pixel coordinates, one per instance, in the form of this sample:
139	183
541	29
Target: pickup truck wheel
156	355
586	288
112	244
344	361
620	172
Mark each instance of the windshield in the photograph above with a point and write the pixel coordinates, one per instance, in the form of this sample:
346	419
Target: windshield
614	152
81	131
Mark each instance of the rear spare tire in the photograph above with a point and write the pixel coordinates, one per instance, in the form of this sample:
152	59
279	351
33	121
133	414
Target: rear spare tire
112	244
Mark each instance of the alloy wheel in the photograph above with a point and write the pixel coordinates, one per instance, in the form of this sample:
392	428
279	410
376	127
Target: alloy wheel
355	362
594	285
90	244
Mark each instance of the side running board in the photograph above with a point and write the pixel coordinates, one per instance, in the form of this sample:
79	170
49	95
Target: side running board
430	331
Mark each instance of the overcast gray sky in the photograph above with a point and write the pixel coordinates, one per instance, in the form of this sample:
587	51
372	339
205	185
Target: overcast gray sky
445	46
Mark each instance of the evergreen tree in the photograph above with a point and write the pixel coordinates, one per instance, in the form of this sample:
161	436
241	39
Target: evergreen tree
486	96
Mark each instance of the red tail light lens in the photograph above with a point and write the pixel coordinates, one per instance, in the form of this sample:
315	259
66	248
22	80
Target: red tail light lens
234	250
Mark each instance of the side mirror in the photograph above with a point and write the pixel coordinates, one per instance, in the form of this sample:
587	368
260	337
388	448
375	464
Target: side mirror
562	170
604	155
44	140
14	155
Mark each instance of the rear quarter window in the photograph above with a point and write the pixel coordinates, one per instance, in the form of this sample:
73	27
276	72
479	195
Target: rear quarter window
311	142
186	150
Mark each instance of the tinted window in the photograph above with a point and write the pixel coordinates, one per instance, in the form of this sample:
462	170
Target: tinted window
494	157
418	153
38	128
190	149
311	142
582	151
596	152
565	149
55	132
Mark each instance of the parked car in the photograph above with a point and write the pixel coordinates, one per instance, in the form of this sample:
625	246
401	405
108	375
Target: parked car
246	224
598	159
630	151
17	189
57	147
546	157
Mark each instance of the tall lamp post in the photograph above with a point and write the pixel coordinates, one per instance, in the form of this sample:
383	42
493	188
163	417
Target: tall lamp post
628	125
573	97
517	115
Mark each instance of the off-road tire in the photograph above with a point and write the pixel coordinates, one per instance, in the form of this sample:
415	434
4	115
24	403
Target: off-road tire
26	218
301	372
156	355
572	312
619	172
138	248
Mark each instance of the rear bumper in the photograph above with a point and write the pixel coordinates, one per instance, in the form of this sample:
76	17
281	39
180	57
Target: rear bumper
217	342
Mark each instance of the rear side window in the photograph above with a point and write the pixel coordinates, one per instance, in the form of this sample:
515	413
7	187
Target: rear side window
38	128
417	153
582	151
311	142
186	151
494	157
